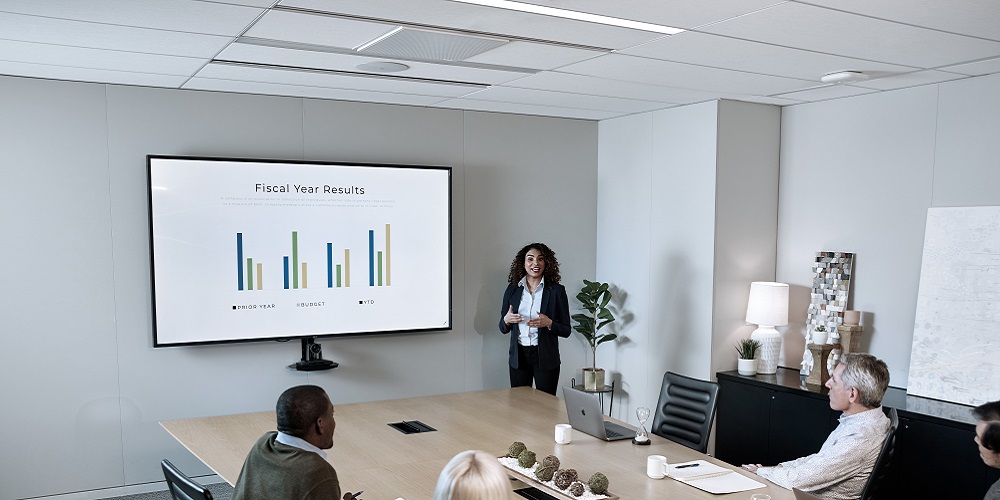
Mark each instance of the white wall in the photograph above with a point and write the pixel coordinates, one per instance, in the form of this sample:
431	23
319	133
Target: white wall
687	218
859	174
82	386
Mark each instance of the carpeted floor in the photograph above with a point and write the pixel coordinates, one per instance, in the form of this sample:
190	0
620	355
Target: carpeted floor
220	491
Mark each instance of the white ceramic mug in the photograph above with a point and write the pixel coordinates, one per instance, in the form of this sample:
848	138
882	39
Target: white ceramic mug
656	466
564	433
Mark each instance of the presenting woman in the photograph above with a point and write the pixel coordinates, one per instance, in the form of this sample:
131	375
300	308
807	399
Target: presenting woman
535	312
988	439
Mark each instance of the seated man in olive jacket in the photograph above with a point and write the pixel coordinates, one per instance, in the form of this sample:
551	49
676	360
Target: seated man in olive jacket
290	464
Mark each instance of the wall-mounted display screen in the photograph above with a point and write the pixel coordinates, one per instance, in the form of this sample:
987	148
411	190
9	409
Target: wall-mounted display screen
265	249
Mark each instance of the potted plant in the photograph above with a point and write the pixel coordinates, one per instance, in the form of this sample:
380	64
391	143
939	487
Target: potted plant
820	335
594	297
747	351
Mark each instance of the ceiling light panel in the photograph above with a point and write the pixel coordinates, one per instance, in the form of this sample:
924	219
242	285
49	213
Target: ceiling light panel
316	29
349	62
485	20
429	45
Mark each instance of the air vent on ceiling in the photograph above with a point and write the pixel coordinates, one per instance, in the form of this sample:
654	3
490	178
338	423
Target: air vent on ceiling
431	45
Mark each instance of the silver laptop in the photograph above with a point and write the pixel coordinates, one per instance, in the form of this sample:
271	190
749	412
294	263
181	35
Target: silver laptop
586	415
804	495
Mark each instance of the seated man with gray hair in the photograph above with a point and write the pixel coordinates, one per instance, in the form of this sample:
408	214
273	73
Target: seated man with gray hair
840	470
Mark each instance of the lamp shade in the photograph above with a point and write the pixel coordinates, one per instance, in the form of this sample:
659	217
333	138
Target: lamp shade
768	304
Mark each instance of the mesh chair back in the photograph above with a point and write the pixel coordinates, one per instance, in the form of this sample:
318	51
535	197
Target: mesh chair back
182	487
685	410
880	483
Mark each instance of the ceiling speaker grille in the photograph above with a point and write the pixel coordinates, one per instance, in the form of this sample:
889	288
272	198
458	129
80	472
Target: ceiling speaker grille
430	45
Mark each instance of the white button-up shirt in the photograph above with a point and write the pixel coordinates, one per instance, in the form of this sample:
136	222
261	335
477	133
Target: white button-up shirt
531	304
840	470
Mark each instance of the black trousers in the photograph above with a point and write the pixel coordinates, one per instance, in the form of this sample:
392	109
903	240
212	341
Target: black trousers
528	370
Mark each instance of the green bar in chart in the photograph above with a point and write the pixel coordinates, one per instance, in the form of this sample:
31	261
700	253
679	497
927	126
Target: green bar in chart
379	268
250	274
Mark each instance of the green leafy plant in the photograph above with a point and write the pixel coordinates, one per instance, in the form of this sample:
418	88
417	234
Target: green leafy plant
594	297
747	348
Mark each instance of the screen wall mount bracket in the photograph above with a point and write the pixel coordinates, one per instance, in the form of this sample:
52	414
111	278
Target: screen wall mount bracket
312	357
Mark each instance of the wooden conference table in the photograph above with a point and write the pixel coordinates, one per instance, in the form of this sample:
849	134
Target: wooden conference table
369	455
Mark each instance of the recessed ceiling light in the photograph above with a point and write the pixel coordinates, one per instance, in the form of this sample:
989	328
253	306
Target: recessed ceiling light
572	14
843	77
383	67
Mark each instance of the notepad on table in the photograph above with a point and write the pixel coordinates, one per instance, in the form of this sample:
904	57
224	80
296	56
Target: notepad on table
711	478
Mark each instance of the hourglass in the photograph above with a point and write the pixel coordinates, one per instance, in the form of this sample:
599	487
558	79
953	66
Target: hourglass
641	438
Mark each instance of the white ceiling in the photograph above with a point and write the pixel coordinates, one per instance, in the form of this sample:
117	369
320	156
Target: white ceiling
765	51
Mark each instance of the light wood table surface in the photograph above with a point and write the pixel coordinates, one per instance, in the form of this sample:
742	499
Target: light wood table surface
387	464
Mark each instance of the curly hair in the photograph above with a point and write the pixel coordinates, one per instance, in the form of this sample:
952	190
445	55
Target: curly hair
299	407
551	271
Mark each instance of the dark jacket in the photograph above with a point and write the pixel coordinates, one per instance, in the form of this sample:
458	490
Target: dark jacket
555	305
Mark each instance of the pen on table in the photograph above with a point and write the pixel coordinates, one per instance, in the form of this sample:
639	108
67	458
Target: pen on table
356	495
683	466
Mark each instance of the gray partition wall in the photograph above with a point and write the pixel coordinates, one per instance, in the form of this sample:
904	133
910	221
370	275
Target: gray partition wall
84	390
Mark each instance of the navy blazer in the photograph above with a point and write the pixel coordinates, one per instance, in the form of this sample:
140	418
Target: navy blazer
555	305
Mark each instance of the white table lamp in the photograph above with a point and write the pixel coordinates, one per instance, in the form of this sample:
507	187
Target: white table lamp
768	308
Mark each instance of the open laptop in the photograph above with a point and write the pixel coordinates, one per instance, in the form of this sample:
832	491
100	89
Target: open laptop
804	495
586	415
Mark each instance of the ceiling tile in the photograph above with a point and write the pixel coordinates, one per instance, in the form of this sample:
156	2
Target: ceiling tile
330	80
346	62
317	30
90	75
534	55
943	15
909	80
977	68
76	57
175	15
824	30
685	14
312	92
741	55
825	92
561	99
680	75
526	109
591	85
105	36
485	19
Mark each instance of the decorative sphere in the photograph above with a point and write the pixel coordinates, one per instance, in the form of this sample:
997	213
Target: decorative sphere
598	483
576	489
526	459
564	477
515	449
551	460
544	472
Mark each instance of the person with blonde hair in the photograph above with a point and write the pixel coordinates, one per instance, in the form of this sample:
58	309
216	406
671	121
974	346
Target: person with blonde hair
473	475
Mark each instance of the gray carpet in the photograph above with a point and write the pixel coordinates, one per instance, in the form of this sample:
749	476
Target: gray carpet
220	491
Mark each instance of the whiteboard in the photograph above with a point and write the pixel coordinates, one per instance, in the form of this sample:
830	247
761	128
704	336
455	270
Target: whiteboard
956	333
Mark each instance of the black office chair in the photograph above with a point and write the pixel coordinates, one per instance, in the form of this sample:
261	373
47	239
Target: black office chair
182	487
880	483
685	410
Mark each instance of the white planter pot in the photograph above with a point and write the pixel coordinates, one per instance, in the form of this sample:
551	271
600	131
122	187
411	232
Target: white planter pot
820	338
746	366
593	380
